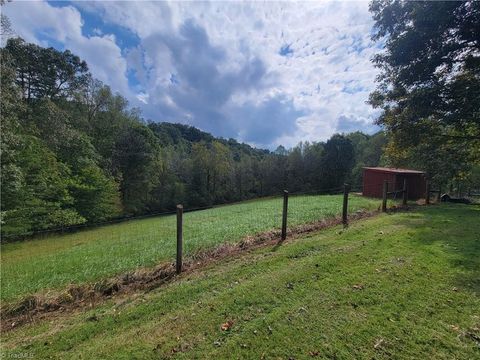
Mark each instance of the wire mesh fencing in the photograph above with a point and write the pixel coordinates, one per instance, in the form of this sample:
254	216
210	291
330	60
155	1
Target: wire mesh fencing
57	257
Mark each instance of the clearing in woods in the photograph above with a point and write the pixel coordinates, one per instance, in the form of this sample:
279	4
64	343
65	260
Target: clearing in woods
54	261
402	285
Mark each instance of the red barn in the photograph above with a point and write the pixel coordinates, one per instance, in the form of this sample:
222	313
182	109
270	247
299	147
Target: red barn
373	178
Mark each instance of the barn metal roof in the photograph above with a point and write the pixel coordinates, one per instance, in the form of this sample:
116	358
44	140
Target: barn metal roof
394	170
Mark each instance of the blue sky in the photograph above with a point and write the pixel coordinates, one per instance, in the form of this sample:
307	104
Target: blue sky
266	73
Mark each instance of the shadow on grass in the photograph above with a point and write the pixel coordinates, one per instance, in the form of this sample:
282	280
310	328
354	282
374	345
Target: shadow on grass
457	228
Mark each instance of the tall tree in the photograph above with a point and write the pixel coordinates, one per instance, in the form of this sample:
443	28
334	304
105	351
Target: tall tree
296	169
368	151
46	72
137	156
337	161
429	85
11	109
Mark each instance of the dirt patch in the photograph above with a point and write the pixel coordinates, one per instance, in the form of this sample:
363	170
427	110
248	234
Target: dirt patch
88	295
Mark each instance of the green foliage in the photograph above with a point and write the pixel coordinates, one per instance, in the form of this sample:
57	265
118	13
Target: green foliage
43	72
338	161
96	195
50	178
368	150
429	85
101	160
174	134
136	156
11	109
39	198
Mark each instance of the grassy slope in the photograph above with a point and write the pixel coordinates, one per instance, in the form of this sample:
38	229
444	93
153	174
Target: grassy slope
55	261
405	285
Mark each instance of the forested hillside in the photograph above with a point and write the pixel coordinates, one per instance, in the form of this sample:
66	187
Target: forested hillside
73	152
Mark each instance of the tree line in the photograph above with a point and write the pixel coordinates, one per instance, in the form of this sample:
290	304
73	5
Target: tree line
73	152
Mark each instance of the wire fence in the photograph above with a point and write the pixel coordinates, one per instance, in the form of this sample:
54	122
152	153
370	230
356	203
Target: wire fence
84	253
127	219
90	225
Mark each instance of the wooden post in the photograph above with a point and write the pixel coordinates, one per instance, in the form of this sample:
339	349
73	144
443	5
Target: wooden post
427	195
385	190
179	238
346	189
405	193
284	215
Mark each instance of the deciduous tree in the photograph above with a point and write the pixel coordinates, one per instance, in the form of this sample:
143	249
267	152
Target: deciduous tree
429	84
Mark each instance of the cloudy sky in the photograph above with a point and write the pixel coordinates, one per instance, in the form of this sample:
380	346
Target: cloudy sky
265	73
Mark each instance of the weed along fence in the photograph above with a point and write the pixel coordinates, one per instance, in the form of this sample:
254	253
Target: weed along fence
286	209
88	255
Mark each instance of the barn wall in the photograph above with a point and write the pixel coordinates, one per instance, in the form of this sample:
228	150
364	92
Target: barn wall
373	183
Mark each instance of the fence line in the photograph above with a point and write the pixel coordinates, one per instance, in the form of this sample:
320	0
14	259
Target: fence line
88	225
73	228
153	241
345	189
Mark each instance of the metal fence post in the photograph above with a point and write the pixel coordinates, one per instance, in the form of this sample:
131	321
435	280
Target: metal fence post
405	193
179	238
384	200
284	215
346	189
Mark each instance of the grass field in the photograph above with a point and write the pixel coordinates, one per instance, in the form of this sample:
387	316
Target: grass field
57	260
405	285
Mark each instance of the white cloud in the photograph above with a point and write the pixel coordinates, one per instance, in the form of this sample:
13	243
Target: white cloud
40	22
31	20
215	64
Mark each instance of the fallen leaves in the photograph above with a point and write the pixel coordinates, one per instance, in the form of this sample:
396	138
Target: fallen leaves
227	326
378	343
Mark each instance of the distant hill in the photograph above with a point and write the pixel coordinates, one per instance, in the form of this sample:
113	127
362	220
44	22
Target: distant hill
170	134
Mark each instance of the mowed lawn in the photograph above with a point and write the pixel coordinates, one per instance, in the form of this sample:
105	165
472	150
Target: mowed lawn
402	286
55	261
